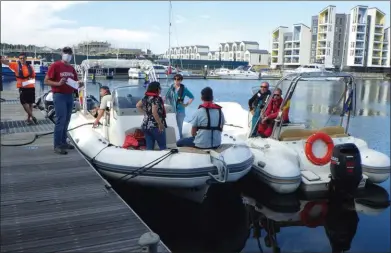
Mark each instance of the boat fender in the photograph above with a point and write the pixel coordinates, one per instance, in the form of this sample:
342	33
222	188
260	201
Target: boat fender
313	222
261	164
310	154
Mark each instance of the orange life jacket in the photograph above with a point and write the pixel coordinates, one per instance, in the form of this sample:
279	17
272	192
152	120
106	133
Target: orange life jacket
23	74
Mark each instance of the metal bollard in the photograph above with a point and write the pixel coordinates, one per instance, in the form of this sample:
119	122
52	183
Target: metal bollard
149	242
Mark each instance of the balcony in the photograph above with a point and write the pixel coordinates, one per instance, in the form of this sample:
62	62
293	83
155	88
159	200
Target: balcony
274	60
360	29
376	63
358	61
275	40
296	52
379	31
360	38
295	60
296	45
287	60
361	23
358	53
322	37
322	30
384	62
360	45
384	55
377	56
378	25
275	46
288	48
377	48
288	53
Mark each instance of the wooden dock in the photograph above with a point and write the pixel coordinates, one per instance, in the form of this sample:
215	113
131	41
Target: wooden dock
57	203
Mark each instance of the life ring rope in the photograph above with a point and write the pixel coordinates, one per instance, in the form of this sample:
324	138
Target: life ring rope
309	145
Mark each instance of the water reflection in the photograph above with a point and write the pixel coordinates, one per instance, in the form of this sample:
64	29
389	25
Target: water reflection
285	222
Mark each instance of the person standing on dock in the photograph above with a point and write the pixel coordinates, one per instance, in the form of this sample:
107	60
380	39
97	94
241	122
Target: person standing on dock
179	91
60	76
25	82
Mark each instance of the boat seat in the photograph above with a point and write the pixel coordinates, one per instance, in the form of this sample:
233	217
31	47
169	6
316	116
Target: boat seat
300	134
170	138
296	134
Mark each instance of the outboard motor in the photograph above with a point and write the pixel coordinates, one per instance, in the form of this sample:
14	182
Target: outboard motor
345	168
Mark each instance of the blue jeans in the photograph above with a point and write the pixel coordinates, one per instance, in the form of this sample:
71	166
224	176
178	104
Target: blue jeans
63	105
152	135
186	142
180	117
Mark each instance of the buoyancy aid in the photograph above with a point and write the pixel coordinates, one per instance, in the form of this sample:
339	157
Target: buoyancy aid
207	107
180	97
20	78
162	102
20	75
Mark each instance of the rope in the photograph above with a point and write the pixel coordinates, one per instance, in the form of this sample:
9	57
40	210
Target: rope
146	167
37	136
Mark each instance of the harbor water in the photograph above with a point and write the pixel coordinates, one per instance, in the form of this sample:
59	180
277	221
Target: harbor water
223	222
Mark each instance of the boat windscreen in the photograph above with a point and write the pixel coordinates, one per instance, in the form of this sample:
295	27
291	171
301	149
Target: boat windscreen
127	96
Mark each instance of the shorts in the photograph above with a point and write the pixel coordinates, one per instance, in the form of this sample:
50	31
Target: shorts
27	95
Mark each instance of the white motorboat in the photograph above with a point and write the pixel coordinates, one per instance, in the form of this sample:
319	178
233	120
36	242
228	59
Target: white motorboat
185	171
219	72
310	68
295	156
241	72
160	71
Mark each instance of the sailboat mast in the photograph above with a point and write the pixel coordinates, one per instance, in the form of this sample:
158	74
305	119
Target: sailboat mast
169	35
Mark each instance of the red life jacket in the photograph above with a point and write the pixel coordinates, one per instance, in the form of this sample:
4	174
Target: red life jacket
161	101
208	106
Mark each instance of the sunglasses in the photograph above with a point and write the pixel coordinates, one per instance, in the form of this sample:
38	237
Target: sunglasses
22	58
276	95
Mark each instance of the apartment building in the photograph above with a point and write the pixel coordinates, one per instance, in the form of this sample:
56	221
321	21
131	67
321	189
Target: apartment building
376	23
328	37
386	61
277	50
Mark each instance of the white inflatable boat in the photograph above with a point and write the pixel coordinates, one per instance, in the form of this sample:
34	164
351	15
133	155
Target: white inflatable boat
295	156
186	171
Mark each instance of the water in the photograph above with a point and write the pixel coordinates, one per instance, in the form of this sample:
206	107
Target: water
222	222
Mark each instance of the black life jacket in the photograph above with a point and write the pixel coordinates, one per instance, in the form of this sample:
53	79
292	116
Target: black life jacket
207	107
260	99
20	71
180	97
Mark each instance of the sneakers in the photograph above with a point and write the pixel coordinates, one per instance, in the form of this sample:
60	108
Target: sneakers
63	149
35	120
68	146
60	151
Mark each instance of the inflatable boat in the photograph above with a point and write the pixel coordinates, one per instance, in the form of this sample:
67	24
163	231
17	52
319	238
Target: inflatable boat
185	171
296	156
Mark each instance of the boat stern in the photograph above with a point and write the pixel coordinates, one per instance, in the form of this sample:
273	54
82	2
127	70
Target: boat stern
375	165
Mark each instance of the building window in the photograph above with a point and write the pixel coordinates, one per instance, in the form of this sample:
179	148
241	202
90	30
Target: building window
340	29
315	31
328	51
328	43
313	46
339	37
338	53
351	52
330	28
339	44
354	28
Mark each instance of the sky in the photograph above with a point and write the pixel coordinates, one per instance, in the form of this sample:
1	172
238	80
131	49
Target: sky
144	24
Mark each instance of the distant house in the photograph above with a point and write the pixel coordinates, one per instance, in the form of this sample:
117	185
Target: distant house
257	57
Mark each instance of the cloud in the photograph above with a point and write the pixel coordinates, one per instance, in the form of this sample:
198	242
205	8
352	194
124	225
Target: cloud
44	27
180	19
205	16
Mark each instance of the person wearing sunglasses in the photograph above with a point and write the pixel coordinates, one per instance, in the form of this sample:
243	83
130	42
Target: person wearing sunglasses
59	77
265	129
256	104
25	82
179	92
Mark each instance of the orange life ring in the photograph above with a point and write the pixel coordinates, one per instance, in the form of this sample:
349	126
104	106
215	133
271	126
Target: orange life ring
308	148
312	223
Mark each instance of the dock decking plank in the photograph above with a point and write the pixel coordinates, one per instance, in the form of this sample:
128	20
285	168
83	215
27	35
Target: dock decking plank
54	203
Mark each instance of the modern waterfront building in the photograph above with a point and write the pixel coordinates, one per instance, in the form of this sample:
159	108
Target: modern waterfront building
277	50
368	45
294	49
328	37
376	24
386	61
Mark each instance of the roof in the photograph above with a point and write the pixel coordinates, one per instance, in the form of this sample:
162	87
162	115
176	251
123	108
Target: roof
212	52
359	6
201	46
250	42
301	24
377	10
229	43
257	51
279	28
202	53
326	8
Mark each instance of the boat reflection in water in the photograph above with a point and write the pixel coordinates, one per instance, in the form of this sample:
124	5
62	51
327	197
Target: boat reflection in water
337	212
219	224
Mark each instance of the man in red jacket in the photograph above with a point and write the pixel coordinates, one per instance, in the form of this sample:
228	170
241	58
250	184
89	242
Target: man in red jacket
265	129
59	77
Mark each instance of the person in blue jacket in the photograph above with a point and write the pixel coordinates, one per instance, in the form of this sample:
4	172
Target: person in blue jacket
178	92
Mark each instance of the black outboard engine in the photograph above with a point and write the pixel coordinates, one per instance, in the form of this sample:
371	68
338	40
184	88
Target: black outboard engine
345	168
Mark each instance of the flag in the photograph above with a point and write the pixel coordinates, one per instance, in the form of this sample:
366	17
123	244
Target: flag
348	105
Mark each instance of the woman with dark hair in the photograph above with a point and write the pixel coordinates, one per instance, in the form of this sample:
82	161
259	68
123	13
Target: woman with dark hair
154	122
